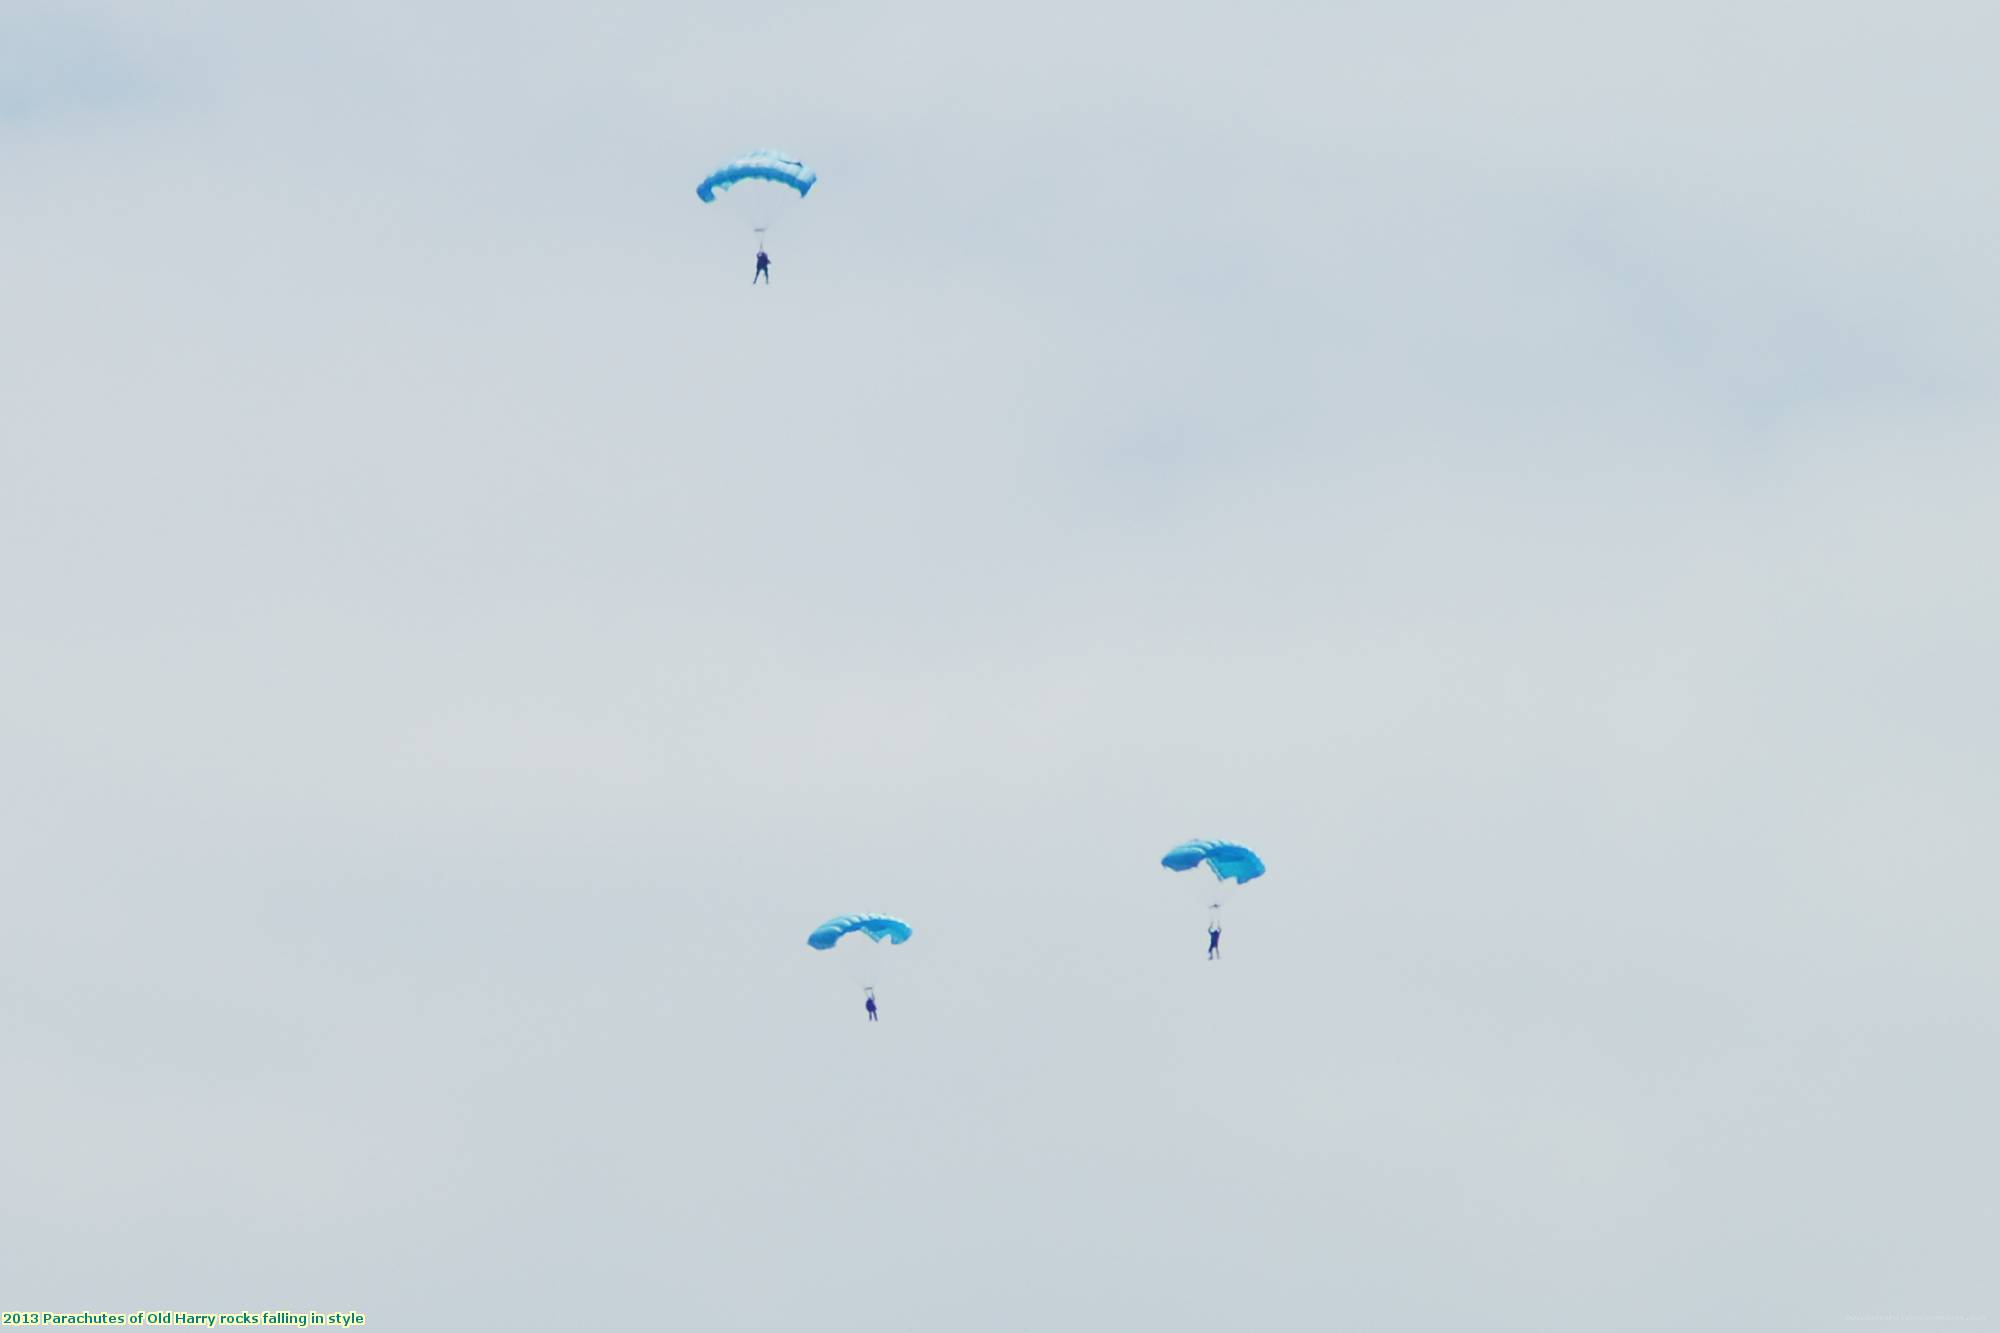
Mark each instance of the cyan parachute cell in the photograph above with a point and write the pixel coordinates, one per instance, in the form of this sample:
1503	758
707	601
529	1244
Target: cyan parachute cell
1226	859
761	164
876	928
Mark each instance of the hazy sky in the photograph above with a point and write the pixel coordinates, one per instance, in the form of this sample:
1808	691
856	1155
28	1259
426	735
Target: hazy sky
1528	469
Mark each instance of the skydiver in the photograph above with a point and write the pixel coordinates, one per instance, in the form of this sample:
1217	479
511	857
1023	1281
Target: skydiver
871	1005
763	268
1214	938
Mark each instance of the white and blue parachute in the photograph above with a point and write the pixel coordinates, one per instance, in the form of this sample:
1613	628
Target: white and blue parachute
1229	860
875	927
758	188
759	164
1226	859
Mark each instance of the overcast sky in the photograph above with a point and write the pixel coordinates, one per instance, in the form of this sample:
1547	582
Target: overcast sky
1527	469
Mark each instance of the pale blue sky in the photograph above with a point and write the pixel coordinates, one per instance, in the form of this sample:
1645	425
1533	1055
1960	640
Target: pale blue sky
1528	473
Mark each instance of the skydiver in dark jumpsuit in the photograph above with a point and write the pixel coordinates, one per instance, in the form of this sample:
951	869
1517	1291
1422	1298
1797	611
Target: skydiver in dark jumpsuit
763	268
871	1006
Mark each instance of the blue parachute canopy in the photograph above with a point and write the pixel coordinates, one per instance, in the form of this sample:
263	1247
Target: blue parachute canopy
761	164
1226	859
875	927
